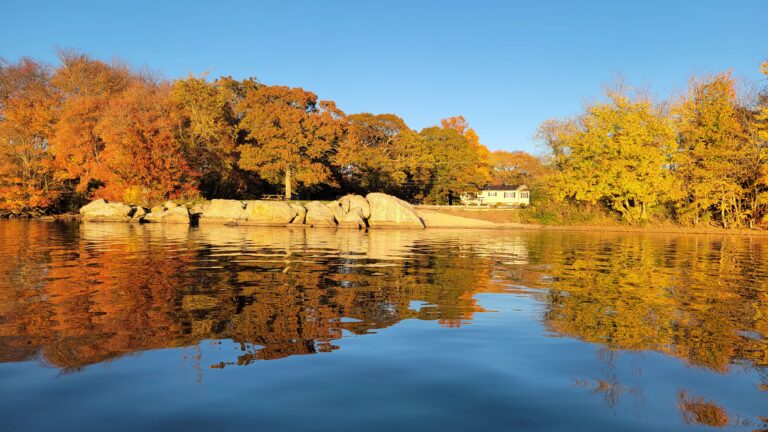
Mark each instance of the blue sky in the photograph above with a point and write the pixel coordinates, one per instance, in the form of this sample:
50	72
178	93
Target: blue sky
506	66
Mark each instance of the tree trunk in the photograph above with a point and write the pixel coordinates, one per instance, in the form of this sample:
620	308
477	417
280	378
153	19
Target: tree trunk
288	184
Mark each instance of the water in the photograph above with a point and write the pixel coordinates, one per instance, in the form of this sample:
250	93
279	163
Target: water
160	327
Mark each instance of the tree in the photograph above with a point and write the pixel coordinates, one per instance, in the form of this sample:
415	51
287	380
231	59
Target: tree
460	125
206	128
616	152
515	168
380	154
27	116
457	165
86	87
289	135
712	153
142	160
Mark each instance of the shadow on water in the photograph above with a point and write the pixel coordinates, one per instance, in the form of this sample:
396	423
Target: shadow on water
77	295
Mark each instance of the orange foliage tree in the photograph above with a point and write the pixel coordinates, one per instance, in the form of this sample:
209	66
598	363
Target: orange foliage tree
515	168
290	136
27	115
86	87
142	160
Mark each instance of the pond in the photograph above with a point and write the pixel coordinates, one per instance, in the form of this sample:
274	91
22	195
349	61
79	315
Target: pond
165	327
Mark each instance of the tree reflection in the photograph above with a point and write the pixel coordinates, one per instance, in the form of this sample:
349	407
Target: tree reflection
75	295
115	289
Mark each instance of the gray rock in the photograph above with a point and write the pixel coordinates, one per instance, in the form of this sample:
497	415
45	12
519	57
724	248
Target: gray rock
301	214
353	219
352	201
387	210
177	215
103	211
269	212
336	209
224	211
318	214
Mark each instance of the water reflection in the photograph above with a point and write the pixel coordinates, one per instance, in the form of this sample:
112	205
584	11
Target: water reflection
76	295
98	291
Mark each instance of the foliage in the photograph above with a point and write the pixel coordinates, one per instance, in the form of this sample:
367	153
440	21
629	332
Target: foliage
86	128
289	133
615	153
27	116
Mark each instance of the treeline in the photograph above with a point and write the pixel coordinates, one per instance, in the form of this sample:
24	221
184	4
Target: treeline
699	159
89	129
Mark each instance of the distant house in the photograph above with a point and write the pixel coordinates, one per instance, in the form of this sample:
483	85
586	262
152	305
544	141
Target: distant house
498	196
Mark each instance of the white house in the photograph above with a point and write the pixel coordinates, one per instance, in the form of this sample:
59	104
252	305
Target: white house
498	196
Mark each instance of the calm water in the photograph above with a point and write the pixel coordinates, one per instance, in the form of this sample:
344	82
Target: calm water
123	327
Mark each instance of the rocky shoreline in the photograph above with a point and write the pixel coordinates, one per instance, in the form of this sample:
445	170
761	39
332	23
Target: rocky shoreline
351	211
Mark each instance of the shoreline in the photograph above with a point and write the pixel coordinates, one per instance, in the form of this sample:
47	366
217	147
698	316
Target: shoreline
435	220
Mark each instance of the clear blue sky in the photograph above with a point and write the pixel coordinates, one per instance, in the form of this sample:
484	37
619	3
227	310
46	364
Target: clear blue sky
506	66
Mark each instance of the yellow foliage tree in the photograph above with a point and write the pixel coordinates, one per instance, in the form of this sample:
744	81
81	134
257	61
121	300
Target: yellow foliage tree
616	153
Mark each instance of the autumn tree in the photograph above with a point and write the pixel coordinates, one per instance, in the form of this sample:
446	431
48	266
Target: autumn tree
289	136
207	130
27	116
382	154
515	168
712	151
460	125
86	87
458	165
142	160
616	152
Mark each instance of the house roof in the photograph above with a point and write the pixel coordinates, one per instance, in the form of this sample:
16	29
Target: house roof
506	188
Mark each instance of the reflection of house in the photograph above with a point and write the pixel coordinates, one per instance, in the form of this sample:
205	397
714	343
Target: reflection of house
498	195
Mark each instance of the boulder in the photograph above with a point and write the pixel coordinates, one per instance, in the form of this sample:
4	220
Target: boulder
352	201
387	210
178	214
353	219
169	205
103	211
269	212
224	211
338	212
318	214
138	214
197	209
301	214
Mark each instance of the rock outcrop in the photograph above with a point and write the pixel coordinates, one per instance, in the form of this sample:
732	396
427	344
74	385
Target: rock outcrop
224	211
389	211
351	211
301	214
319	214
353	219
352	201
337	210
269	213
103	211
176	214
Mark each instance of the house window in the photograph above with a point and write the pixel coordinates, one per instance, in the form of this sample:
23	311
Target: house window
490	194
510	195
523	194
